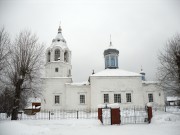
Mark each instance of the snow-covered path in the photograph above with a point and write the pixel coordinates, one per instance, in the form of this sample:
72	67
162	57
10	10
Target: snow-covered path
162	124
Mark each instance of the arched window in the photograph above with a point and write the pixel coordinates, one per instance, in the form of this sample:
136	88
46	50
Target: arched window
66	56
57	55
49	56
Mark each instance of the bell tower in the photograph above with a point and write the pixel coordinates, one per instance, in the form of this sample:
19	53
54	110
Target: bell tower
111	57
58	57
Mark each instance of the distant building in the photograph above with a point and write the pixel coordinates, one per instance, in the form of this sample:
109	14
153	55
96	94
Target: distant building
112	85
33	106
173	101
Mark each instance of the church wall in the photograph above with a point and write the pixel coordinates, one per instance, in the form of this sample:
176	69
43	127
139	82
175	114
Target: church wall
57	82
73	93
158	94
113	85
52	87
63	69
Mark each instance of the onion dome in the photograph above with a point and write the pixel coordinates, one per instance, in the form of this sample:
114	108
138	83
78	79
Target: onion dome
143	75
111	57
59	40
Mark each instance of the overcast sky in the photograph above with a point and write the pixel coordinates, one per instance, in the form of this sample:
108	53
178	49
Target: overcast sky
139	29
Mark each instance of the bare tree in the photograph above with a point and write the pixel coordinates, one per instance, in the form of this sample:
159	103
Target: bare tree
23	70
4	43
169	70
6	100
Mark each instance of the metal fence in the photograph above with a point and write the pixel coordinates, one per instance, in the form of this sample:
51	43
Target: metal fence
129	115
170	109
56	115
173	109
134	115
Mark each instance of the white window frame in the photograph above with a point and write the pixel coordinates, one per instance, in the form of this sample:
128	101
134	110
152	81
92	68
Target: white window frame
117	98
127	98
150	99
55	99
106	98
81	100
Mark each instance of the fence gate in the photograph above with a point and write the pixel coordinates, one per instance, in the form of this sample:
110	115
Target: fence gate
115	116
106	116
134	115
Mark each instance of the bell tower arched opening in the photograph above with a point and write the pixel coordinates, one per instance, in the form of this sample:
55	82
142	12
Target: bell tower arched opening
66	57
57	55
49	56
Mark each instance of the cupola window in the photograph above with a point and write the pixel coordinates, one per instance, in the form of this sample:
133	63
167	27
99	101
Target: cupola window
112	61
107	61
57	55
116	61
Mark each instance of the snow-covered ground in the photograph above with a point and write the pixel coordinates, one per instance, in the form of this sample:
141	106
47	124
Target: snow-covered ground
162	124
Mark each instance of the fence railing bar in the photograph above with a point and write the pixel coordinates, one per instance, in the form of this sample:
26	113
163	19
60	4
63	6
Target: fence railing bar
132	114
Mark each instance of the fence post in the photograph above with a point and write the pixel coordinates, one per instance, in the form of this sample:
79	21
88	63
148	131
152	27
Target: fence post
119	115
100	114
77	114
149	113
49	115
135	114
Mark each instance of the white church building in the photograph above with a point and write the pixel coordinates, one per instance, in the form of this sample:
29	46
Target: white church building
112	85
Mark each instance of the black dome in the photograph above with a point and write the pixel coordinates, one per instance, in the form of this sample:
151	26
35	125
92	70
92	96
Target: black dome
110	51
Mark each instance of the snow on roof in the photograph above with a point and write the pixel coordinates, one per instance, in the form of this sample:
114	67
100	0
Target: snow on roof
150	82
172	98
149	104
59	41
142	72
63	45
30	100
32	107
59	36
79	83
115	72
55	77
115	105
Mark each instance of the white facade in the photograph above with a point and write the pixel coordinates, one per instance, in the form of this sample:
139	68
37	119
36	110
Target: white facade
111	85
153	88
116	85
